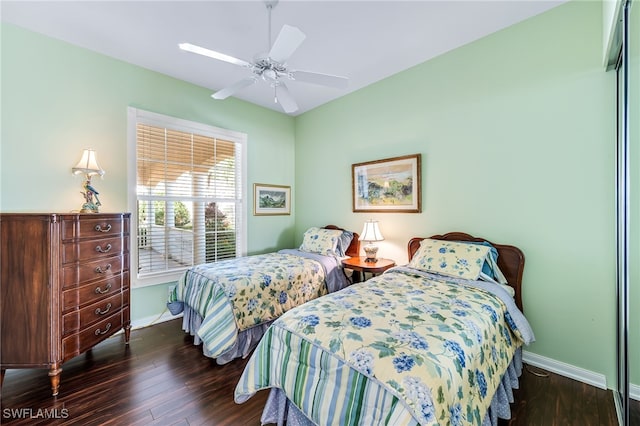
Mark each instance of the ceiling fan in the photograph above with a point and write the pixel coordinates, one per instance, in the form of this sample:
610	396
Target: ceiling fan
272	66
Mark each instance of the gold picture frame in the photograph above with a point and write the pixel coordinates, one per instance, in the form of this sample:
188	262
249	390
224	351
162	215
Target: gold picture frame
388	185
271	200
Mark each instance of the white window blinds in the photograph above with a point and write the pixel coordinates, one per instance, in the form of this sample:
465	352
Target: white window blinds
189	197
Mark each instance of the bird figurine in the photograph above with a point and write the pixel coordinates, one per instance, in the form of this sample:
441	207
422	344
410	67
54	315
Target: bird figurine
90	206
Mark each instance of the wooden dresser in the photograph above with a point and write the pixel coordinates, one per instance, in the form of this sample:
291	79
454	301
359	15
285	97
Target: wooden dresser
64	287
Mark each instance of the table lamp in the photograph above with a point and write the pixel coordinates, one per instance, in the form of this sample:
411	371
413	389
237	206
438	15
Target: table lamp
370	233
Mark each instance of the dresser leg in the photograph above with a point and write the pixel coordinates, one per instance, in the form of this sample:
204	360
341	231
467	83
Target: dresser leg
54	377
127	333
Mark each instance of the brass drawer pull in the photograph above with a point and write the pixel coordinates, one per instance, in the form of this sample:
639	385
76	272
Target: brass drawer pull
107	309
103	250
103	271
98	332
106	289
99	228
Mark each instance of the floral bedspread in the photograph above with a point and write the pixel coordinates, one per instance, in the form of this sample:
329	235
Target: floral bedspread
437	347
236	294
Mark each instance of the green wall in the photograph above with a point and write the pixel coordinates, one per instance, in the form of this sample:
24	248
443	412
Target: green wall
517	136
58	99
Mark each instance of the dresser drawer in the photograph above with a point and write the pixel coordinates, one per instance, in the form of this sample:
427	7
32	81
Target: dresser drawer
91	249
90	293
77	274
79	342
78	320
90	227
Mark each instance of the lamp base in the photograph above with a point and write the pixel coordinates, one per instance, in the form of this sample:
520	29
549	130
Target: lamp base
371	252
89	208
89	194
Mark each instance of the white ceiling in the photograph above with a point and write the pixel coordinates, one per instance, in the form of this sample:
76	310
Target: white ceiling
364	40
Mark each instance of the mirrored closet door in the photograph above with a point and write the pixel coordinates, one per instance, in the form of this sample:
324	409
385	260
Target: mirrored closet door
628	214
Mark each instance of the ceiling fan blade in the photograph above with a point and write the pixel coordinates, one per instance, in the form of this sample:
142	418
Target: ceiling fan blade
289	39
228	91
284	98
322	79
213	54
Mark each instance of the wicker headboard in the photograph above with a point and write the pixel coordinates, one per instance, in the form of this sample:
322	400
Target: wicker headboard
510	258
354	247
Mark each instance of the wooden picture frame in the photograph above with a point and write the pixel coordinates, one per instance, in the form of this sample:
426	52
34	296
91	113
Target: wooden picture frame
388	185
271	200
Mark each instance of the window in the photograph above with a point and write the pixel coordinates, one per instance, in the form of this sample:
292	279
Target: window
190	195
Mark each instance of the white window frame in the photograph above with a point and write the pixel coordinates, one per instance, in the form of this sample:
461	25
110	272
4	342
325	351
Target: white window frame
135	116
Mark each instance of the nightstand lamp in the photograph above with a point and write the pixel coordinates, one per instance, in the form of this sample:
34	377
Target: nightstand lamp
88	165
371	233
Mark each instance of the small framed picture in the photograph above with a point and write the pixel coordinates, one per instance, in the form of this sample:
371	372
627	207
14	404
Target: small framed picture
271	199
389	185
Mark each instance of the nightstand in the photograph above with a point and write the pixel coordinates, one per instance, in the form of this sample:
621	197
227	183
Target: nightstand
359	266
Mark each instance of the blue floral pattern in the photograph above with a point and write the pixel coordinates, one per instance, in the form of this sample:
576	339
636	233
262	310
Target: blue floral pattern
321	241
259	288
451	258
436	344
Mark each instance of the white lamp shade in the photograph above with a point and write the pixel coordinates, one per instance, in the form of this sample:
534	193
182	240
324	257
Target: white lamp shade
371	231
88	164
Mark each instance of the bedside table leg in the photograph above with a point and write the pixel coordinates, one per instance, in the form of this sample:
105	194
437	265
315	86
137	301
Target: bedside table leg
357	278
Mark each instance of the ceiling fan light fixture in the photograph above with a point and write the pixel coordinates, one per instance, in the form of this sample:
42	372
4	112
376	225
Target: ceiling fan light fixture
271	67
270	74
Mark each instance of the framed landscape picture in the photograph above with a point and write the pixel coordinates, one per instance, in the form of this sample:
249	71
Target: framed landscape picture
389	185
271	199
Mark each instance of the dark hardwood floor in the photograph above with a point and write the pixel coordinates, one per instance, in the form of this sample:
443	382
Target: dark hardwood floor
162	379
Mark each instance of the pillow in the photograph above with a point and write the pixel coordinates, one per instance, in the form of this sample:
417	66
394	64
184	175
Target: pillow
454	259
490	270
343	243
321	241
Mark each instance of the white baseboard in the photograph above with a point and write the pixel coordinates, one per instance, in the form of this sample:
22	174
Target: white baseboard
634	391
576	373
567	370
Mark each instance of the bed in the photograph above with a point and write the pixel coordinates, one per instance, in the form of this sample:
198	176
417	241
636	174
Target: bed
436	341
228	305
